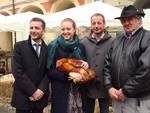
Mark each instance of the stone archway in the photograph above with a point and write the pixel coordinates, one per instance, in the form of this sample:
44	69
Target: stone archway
32	8
64	5
61	5
5	13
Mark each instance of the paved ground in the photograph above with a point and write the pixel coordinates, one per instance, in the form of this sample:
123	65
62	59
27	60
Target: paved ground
5	110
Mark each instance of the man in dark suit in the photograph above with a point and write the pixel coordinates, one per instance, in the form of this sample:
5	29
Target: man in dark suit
29	70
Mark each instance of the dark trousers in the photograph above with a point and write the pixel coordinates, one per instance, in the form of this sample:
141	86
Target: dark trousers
29	111
89	105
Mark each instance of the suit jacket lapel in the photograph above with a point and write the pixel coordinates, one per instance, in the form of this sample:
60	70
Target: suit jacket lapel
43	54
31	47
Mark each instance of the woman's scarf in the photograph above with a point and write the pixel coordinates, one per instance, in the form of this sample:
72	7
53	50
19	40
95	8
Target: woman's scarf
68	45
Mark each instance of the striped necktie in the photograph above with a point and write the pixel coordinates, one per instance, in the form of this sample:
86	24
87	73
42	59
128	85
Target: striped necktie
37	47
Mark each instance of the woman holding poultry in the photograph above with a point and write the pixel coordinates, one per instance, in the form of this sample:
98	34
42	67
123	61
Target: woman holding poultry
65	95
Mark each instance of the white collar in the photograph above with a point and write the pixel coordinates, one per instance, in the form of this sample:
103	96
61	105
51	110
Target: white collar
98	38
33	42
132	33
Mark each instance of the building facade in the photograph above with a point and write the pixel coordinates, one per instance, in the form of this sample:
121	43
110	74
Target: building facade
10	7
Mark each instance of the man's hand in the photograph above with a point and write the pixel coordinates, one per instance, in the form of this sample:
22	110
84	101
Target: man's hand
32	99
121	96
116	94
113	93
37	95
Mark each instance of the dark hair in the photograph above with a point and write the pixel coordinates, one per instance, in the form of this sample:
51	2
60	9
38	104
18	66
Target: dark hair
70	20
39	20
98	14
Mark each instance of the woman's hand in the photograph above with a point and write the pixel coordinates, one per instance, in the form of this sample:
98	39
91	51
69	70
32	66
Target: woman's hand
84	64
76	77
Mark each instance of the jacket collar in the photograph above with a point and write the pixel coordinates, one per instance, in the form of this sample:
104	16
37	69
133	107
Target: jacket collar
133	33
98	38
105	37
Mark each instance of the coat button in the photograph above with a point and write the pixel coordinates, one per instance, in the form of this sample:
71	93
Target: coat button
96	65
97	54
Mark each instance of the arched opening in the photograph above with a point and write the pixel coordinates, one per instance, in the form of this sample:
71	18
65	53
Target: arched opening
59	5
4	13
33	9
64	5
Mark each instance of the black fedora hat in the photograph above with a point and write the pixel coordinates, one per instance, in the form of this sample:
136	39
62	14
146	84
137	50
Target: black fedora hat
130	11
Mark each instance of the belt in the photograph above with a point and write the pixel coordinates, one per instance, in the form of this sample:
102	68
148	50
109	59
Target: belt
143	98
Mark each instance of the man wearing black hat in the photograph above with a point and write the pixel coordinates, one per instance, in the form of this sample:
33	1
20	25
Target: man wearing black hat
127	65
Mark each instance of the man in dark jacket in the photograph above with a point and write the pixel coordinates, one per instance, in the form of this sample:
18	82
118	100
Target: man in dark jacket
127	65
29	70
97	44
